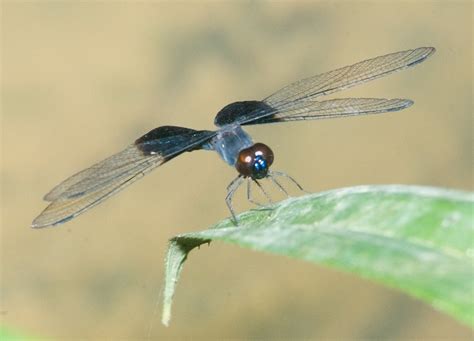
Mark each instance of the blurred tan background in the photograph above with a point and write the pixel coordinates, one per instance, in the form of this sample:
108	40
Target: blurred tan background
81	81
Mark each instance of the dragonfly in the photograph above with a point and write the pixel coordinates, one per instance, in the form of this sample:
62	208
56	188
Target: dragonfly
295	102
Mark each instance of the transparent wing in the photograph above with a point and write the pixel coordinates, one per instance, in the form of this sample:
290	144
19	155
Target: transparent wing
348	76
93	185
117	166
64	209
302	95
313	110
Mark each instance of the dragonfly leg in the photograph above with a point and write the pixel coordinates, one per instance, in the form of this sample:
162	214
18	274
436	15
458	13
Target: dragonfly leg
263	191
282	174
249	193
230	194
279	185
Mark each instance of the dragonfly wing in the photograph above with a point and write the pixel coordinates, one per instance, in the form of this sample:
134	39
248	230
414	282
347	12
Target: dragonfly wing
348	76
302	94
314	110
113	167
93	185
62	210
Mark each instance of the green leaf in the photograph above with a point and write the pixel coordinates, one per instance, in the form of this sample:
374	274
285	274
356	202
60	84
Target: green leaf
416	239
7	334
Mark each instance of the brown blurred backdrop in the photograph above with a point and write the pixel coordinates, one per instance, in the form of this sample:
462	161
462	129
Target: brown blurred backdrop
82	80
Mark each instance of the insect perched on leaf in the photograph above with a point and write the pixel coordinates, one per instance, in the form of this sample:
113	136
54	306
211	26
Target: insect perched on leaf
252	161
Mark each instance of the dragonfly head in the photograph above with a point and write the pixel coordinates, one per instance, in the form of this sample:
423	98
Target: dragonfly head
255	161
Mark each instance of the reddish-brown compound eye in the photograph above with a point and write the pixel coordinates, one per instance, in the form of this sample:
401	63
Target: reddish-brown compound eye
254	161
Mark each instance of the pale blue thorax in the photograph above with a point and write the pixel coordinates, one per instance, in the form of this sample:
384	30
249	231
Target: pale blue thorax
229	141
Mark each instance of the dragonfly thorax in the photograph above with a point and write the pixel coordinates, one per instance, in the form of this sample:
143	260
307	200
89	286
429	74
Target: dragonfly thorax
229	141
255	161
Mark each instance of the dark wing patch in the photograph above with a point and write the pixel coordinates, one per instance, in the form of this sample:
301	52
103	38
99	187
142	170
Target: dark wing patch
167	141
162	132
232	112
93	185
